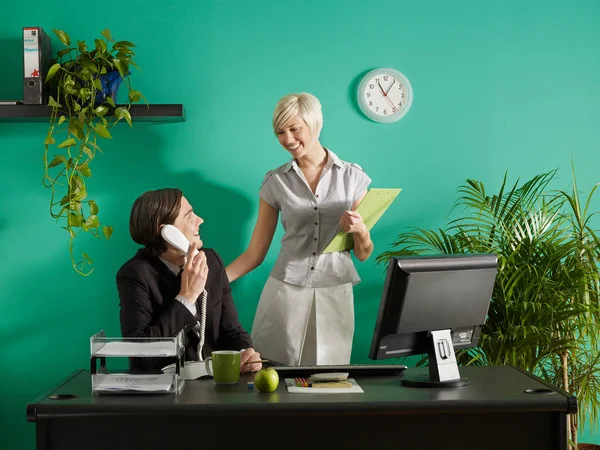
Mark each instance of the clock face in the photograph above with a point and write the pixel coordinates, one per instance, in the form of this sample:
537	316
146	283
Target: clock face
385	95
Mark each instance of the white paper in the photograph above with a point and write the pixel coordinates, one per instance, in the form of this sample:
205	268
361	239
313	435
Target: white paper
118	348
129	382
290	384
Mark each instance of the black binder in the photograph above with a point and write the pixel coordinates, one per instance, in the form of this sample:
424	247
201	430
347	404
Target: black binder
36	62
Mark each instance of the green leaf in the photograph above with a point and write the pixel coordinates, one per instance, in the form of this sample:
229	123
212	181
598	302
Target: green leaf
90	68
134	64
93	207
59	159
76	128
75	219
123	44
64	52
121	67
85	94
87	151
85	75
97	84
144	98
92	222
107	231
106	34
110	101
53	103
100	46
124	55
67	143
61	120
101	110
64	37
81	194
81	46
49	139
52	71
85	170
102	131
134	96
123	113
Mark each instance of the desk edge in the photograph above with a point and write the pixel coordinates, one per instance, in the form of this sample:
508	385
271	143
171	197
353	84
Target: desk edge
31	411
571	399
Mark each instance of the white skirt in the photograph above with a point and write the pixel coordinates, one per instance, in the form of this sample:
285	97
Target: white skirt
298	325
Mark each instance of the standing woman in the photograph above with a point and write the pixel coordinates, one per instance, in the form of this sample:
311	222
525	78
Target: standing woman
305	315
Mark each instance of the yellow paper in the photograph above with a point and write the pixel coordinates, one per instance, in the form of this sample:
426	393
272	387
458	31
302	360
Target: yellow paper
371	208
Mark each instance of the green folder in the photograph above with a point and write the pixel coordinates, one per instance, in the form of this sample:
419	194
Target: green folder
371	208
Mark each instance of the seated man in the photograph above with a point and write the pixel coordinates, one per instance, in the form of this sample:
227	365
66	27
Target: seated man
161	290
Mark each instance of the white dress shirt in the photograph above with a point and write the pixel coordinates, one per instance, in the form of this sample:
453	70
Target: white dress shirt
311	221
191	306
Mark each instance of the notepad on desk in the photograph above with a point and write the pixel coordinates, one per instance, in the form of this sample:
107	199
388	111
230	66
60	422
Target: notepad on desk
322	388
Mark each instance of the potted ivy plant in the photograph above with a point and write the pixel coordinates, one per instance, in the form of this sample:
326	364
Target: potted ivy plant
83	83
544	313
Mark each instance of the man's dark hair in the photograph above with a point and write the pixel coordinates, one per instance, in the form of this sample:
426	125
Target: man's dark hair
151	210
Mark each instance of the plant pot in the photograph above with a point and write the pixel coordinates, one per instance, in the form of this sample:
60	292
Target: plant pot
588	446
110	85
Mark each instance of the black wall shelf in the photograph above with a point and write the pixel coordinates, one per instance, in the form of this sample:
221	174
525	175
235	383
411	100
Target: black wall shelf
139	113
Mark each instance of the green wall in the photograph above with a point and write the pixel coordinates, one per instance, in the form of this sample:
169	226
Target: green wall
504	85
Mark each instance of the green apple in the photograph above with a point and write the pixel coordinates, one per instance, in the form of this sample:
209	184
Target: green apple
266	380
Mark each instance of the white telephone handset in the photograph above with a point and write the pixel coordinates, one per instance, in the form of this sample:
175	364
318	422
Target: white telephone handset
192	369
175	237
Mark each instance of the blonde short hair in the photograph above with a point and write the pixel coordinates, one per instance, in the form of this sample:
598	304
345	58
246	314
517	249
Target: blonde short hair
304	105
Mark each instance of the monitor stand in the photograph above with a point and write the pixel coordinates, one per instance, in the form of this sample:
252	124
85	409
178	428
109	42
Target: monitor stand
443	370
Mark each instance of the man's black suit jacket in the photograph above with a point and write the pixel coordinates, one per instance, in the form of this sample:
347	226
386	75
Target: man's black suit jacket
147	290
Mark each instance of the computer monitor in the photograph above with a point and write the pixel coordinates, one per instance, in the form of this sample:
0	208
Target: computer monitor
433	305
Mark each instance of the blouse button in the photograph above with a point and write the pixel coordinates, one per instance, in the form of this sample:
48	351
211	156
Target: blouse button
316	208
314	253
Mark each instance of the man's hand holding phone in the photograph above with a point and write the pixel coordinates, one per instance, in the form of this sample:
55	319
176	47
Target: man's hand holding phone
194	275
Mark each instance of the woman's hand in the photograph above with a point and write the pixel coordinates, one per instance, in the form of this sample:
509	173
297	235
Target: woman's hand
194	276
352	222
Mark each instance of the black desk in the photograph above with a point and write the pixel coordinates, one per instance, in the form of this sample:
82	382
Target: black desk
492	413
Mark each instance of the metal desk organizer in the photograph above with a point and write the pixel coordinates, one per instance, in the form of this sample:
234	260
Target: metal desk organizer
103	379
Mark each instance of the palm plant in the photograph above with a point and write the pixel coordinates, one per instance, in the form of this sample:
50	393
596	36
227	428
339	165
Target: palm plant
544	314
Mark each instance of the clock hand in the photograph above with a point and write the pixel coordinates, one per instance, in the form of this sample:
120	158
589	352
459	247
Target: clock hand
385	95
388	89
391	102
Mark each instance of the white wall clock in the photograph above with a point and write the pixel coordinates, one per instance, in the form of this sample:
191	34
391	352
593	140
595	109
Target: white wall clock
385	95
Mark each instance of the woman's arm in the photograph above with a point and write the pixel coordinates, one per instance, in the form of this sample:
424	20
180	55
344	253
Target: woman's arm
262	236
352	222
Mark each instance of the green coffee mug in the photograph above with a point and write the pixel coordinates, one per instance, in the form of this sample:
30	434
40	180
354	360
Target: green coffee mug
225	366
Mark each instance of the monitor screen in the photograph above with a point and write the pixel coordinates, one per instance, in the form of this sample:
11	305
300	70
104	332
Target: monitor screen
433	305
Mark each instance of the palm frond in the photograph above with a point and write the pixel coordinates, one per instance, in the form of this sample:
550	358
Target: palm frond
546	299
